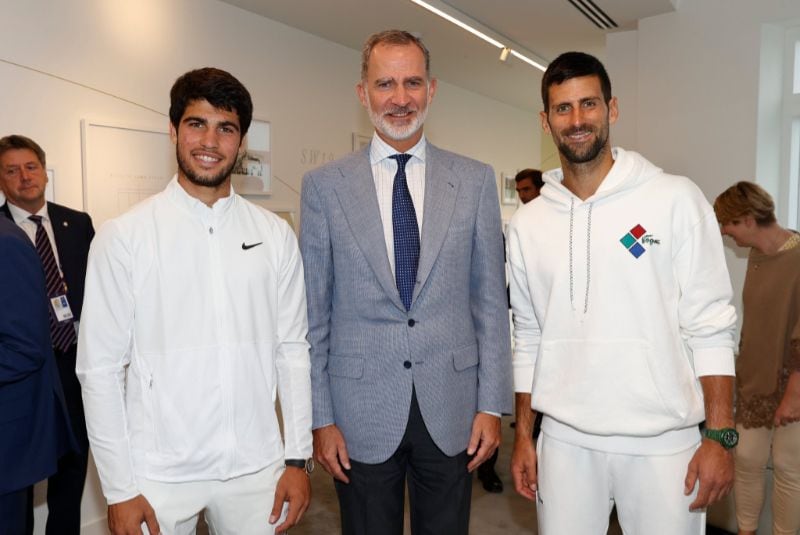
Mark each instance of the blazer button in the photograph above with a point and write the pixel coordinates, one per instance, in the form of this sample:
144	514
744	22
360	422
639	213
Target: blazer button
411	323
407	364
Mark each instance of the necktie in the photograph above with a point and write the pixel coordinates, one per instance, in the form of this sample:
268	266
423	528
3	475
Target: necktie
406	233
62	333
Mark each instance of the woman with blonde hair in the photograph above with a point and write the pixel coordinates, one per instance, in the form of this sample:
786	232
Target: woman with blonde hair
768	366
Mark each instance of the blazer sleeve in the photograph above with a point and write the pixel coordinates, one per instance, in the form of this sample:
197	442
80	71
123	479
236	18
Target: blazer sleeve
24	320
315	246
489	303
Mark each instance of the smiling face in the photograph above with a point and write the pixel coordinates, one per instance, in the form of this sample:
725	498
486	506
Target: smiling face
578	119
23	179
396	93
207	143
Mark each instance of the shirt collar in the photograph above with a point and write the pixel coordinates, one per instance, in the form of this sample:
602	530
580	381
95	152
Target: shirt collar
20	214
380	150
195	205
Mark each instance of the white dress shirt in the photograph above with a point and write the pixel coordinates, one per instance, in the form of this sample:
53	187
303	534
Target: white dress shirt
383	170
194	318
21	215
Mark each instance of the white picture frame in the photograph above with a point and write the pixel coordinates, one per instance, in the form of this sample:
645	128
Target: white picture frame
252	174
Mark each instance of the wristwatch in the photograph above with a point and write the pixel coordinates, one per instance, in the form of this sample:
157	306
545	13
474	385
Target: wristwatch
728	436
307	465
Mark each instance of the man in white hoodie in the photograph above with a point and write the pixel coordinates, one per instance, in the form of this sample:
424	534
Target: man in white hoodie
623	330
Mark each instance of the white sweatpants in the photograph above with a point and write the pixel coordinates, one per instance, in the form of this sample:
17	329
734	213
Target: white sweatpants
578	487
239	506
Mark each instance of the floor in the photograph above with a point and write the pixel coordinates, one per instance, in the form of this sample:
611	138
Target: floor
492	514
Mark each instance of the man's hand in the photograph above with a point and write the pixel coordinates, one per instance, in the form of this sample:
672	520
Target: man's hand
713	466
294	487
485	438
125	518
330	451
523	466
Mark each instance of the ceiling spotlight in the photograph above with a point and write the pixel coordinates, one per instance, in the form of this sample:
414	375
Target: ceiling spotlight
449	13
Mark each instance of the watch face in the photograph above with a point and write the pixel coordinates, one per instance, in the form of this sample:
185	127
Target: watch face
729	438
310	465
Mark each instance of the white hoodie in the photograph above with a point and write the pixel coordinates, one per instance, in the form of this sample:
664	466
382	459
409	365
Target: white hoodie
620	303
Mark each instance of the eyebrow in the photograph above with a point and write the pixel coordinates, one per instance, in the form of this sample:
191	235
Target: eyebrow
203	120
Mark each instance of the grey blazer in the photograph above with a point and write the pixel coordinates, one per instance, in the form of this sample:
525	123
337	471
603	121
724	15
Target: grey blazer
367	351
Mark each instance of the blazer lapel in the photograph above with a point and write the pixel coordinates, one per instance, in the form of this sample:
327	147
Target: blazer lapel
60	227
359	201
441	190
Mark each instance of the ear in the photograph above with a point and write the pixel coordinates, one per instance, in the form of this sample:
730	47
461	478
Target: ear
613	110
173	133
545	123
432	85
749	221
362	93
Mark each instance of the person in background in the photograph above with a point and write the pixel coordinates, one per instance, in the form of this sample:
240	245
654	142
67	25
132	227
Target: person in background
34	425
529	184
62	237
768	366
623	330
194	321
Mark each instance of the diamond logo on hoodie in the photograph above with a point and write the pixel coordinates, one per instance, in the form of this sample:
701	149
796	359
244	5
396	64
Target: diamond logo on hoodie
631	241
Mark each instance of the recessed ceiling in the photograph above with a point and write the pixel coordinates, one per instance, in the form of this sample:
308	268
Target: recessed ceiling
543	27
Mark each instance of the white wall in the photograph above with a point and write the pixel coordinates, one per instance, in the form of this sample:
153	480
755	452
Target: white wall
115	62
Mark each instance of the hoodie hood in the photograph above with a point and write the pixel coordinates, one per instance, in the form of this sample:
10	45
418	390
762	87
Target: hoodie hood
629	170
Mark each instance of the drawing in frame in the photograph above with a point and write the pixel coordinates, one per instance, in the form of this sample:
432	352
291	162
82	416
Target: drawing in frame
508	189
252	174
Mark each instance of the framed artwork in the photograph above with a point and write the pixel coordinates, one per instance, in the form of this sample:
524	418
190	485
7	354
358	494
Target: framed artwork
49	189
360	141
252	174
115	176
508	189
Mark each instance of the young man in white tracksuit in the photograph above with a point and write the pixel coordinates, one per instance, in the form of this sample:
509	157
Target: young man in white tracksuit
623	330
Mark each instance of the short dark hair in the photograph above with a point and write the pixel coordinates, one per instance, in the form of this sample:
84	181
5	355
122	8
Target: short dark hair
218	87
16	141
742	199
574	65
392	37
533	174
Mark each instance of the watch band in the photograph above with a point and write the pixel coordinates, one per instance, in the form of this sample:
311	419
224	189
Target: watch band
307	465
727	437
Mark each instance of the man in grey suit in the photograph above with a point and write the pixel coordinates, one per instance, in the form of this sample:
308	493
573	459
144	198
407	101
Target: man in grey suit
408	318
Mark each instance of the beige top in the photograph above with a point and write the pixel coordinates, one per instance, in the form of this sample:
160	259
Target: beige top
769	349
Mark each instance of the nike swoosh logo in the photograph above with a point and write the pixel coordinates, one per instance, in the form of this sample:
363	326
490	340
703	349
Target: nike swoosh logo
246	247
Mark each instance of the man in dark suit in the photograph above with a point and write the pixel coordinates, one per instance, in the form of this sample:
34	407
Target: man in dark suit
34	424
407	309
23	179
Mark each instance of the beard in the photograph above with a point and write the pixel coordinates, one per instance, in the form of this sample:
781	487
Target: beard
212	181
582	154
396	133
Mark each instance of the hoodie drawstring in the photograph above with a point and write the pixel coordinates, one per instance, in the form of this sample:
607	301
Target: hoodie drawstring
588	256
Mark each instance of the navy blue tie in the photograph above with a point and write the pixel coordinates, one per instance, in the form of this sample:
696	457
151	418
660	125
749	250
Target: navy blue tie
406	233
62	333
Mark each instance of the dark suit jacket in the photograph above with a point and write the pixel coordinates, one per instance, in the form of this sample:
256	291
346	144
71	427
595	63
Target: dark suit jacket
73	232
34	426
